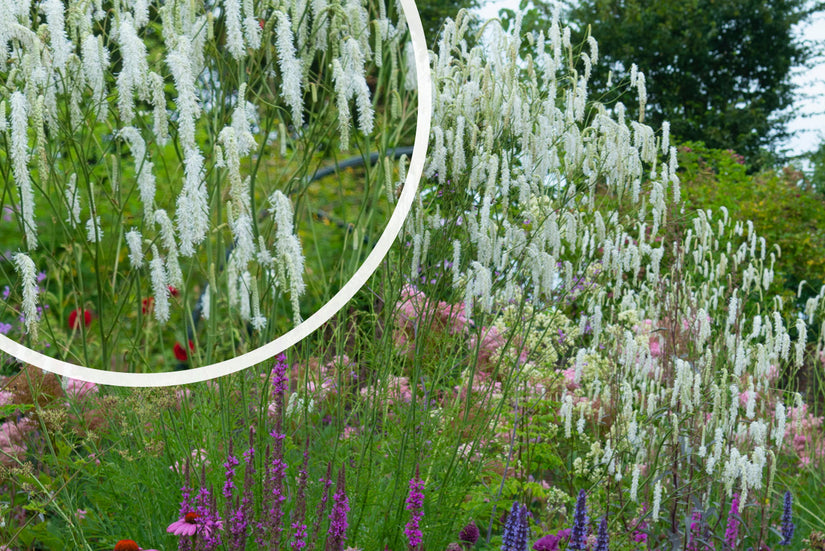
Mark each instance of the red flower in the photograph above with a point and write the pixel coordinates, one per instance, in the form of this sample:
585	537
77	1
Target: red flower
180	352
147	305
129	545
87	318
261	23
173	291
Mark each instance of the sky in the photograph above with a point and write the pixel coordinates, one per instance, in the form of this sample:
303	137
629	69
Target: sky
808	129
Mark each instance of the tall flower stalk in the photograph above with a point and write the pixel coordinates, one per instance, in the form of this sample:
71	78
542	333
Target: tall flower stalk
581	524
272	525
415	505
788	526
337	533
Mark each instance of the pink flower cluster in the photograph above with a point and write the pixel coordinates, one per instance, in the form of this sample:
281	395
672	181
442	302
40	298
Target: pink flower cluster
198	459
415	307
399	390
12	439
78	389
800	435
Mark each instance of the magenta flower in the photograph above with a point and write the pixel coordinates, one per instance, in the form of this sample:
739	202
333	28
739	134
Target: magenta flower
338	524
188	525
732	529
415	505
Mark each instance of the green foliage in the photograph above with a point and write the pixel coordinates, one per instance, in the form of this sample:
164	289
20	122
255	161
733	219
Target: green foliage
780	207
719	71
817	174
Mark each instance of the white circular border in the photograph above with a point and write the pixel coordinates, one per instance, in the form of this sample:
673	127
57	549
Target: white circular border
267	351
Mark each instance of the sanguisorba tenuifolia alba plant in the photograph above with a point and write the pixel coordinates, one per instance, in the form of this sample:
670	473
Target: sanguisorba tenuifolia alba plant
156	162
661	377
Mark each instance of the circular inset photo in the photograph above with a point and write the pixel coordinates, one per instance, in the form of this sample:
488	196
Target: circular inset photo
184	183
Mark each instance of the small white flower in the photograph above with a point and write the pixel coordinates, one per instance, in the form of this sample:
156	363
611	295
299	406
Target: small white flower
160	287
134	69
234	34
20	169
28	273
94	233
135	242
72	197
290	67
657	500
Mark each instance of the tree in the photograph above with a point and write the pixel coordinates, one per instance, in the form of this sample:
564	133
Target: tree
817	172
718	70
433	13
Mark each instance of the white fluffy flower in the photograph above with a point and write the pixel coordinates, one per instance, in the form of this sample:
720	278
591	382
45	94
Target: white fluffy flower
289	257
290	67
348	74
160	287
95	65
59	42
135	243
657	500
20	169
72	197
160	126
28	273
94	233
234	34
143	167
134	69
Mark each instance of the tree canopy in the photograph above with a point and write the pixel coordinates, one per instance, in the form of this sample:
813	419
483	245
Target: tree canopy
718	70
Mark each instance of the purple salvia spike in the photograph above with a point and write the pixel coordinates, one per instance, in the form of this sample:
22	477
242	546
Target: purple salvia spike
578	536
603	539
322	507
509	539
788	527
338	525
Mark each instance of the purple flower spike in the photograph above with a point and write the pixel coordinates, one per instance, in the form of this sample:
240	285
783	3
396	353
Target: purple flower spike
732	529
695	528
415	504
788	526
279	378
515	529
603	539
338	518
322	507
578	536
